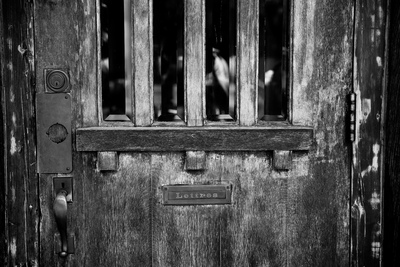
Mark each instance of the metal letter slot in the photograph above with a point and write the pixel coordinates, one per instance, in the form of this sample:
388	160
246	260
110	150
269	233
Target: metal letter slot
197	194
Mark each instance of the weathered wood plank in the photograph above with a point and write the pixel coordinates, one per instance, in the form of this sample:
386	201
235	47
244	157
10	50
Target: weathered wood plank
253	228
195	160
194	62
182	235
110	215
142	44
369	59
247	61
184	139
321	77
282	159
19	185
107	161
391	222
72	48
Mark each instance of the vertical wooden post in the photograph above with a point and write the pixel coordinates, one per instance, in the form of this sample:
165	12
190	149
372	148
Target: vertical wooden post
368	80
194	62
19	211
247	63
142	50
391	222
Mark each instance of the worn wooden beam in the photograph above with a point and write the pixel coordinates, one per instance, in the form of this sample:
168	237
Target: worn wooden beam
194	65
369	62
195	160
107	161
143	61
282	160
19	202
391	222
247	62
183	139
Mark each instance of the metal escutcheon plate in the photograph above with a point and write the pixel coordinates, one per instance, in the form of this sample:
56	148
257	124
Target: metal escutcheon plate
53	120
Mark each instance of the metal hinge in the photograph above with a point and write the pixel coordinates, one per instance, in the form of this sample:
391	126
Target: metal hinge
352	117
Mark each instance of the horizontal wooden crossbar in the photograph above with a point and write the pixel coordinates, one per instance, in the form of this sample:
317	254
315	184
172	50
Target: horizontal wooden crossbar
194	138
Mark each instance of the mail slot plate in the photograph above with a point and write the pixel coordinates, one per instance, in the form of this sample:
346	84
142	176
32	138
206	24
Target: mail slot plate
197	194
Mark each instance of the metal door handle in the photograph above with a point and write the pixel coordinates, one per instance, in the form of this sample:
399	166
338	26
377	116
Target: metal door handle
60	214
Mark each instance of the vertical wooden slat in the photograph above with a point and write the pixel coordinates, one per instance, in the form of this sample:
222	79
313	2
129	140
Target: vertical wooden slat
391	222
194	62
321	77
19	204
247	61
369	62
142	43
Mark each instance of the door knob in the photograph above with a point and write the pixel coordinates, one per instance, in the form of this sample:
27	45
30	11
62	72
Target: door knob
60	214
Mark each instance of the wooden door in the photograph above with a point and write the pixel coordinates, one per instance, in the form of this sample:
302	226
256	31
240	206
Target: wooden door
289	180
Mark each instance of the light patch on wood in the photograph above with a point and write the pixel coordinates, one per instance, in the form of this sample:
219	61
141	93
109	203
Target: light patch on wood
379	61
21	50
303	60
13	144
375	200
12	95
14	119
13	195
366	108
10	66
375	159
9	43
13	247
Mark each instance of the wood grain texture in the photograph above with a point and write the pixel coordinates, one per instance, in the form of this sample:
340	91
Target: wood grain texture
19	206
282	159
321	70
247	61
369	60
195	160
110	215
142	41
391	223
251	232
184	139
3	189
194	62
107	161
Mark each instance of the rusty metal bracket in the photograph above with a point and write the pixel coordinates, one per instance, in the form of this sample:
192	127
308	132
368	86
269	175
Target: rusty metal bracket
54	133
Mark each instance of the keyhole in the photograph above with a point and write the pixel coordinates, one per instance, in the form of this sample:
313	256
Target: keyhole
63	185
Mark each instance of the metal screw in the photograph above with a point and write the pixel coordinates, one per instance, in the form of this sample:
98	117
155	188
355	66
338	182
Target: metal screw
67	168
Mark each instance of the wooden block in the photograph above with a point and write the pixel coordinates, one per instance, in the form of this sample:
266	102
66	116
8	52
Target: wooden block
282	160
195	160
107	161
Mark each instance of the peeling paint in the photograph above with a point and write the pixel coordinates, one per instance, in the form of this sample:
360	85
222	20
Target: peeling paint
13	143
375	159
12	95
14	119
13	247
21	50
379	61
9	43
366	108
375	200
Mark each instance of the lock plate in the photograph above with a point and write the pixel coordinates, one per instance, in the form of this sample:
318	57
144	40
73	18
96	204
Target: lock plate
53	121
